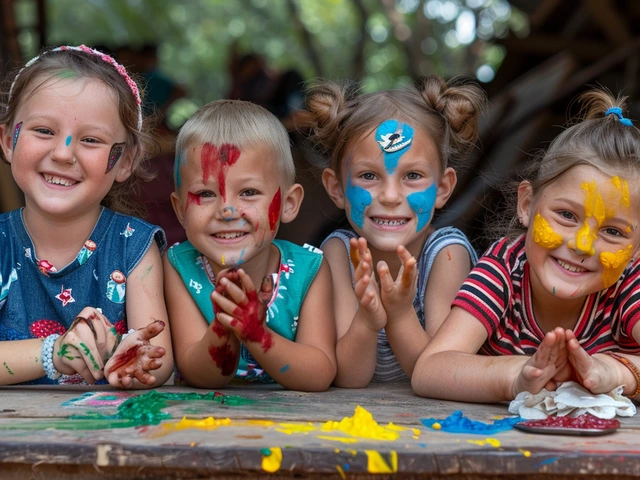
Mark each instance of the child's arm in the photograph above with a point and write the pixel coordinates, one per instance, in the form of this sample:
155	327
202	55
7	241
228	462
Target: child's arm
449	368
406	336
309	363
145	304
359	314
206	355
20	361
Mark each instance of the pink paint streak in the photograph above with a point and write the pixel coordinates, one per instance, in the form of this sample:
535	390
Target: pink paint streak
224	358
274	210
216	161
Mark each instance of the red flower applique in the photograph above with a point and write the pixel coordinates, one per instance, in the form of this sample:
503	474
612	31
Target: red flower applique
44	328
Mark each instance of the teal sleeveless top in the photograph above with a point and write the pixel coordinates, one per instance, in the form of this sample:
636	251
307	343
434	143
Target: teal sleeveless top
298	268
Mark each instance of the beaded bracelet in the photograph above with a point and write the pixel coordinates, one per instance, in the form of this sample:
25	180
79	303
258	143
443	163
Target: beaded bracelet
631	366
125	335
47	357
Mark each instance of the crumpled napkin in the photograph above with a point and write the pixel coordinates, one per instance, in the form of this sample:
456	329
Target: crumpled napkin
572	399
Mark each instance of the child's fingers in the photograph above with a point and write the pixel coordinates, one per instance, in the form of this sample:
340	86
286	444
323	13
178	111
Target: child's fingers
226	320
149	331
354	255
408	273
361	286
246	282
543	354
386	281
234	293
224	303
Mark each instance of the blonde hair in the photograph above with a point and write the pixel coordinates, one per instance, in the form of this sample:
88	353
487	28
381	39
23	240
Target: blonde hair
73	64
337	115
240	123
595	138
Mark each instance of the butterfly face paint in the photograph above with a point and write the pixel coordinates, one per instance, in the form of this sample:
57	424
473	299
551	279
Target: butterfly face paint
16	133
423	203
394	139
114	154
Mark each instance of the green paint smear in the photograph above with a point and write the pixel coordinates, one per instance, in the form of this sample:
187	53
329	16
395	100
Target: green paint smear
87	352
113	331
8	369
138	411
64	352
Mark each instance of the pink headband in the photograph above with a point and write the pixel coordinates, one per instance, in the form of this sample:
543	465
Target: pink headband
103	56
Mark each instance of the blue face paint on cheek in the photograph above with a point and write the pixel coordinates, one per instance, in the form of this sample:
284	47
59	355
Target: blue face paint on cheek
422	203
394	139
16	134
360	199
67	142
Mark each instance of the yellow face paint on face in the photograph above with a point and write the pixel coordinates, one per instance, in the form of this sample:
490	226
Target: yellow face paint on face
593	208
544	235
614	264
623	187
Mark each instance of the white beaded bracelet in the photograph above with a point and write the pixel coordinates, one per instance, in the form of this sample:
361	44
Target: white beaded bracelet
47	357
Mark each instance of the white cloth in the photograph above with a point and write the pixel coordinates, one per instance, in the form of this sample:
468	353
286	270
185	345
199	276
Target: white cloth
572	399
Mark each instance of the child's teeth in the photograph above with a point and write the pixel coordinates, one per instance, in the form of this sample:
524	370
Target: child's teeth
571	268
229	235
380	221
58	180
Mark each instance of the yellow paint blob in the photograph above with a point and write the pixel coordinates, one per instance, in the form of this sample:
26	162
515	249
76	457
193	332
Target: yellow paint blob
494	442
361	425
526	453
223	259
338	439
209	423
593	208
271	463
341	472
622	186
290	428
377	464
436	426
614	264
544	235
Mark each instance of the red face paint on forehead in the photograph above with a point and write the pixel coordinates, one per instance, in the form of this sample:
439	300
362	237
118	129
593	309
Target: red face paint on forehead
216	161
191	198
274	210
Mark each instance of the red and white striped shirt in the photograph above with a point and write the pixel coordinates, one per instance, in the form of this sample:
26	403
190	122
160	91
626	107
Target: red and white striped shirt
497	292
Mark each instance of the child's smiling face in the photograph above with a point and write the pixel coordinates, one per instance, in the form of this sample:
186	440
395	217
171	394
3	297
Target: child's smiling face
582	231
391	187
229	202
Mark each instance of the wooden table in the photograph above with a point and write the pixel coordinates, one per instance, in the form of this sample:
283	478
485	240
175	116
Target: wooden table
41	436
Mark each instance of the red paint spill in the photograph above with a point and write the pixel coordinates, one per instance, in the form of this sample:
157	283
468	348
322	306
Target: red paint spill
216	161
251	318
219	330
191	198
274	210
224	358
583	421
123	360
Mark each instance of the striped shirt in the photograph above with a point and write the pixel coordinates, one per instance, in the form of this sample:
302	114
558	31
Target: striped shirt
498	293
387	367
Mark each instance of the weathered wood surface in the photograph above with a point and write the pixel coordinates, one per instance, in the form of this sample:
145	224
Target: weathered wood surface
237	449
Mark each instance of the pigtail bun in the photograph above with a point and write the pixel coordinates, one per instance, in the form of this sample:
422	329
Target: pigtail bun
595	104
460	104
326	106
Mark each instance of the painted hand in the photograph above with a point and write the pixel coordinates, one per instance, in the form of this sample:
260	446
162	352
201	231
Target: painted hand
366	288
542	367
83	349
243	310
596	373
135	357
397	296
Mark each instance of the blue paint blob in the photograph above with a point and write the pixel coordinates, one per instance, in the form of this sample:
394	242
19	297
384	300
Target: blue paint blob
285	368
227	213
176	170
16	134
67	142
422	203
346	467
360	199
458	423
394	139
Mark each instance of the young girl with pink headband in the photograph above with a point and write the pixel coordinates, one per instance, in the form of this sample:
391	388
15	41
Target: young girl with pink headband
76	271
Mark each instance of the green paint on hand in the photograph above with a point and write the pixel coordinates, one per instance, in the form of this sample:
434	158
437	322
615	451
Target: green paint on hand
8	369
64	352
87	352
113	331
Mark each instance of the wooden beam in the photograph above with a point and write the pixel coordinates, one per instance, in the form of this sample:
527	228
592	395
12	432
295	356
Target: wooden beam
605	15
545	44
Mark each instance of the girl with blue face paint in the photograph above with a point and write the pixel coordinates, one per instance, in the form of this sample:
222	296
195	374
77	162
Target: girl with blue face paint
394	275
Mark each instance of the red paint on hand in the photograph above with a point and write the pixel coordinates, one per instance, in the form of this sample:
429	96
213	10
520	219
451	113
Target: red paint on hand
218	329
123	360
224	358
251	318
274	211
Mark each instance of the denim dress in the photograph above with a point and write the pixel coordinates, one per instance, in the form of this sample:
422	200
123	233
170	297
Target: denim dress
36	300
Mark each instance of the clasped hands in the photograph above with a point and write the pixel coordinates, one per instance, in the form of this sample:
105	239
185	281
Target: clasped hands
561	358
92	348
393	298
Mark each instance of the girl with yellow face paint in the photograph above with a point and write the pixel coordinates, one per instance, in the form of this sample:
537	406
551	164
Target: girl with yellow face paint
557	300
